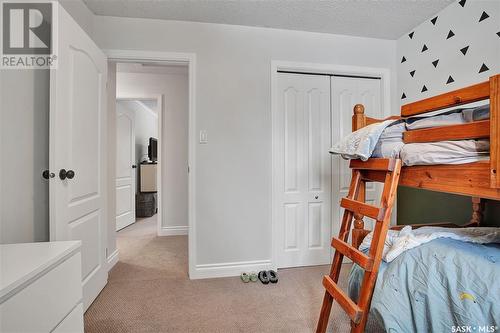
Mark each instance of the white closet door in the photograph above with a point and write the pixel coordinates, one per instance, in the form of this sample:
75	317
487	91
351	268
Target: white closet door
125	166
347	92
302	170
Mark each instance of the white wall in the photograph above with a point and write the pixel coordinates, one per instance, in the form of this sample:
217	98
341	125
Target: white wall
481	37
174	88
81	14
233	171
24	154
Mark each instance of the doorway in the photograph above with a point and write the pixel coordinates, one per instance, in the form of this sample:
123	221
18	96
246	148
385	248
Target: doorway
312	108
162	87
137	129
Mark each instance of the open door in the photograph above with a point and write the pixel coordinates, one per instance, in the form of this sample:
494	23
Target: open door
125	166
78	151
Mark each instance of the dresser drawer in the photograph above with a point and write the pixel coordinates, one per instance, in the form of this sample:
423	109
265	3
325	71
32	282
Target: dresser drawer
44	303
73	323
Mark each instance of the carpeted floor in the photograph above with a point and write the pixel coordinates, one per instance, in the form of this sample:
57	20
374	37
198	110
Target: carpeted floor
149	291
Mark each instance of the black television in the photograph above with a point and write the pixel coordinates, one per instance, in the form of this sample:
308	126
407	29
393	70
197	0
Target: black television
153	149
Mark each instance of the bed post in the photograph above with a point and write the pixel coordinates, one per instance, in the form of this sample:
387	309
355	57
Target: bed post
358	118
359	232
477	212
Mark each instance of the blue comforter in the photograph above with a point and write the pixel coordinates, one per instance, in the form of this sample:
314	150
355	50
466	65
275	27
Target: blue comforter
442	286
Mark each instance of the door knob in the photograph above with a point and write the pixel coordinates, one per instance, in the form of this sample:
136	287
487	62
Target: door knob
63	174
316	197
46	174
134	166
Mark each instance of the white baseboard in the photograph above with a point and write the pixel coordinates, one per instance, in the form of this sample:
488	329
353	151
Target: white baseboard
112	259
207	271
173	231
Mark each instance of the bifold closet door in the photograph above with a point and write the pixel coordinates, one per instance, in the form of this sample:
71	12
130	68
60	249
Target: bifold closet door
347	92
302	170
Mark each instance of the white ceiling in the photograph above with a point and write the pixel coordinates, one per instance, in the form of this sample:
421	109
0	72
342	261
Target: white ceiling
388	19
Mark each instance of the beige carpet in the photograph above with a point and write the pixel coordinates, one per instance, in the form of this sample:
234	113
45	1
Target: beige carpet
149	291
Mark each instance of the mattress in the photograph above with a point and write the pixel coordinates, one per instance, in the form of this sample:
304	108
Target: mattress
436	287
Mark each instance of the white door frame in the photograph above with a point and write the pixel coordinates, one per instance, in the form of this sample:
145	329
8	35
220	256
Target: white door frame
308	68
190	60
160	98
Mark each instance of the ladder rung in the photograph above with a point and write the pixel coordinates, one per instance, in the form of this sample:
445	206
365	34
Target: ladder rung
353	253
362	208
351	308
384	164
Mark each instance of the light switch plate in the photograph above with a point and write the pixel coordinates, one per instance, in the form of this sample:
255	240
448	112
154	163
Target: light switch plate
203	137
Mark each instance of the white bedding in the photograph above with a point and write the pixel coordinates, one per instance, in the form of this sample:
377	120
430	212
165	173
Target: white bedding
405	239
445	152
385	140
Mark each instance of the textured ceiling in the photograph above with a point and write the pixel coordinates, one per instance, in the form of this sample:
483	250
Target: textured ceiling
388	19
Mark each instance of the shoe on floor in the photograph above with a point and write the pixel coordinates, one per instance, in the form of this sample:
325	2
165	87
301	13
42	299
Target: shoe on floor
273	276
264	277
253	276
245	277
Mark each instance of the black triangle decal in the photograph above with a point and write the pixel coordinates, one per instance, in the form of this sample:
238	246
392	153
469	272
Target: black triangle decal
424	48
464	49
435	63
403	59
403	96
498	34
483	68
434	20
450	80
462	3
411	34
424	88
450	34
412	73
484	16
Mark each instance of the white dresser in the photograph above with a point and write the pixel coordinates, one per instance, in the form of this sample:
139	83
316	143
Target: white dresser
41	287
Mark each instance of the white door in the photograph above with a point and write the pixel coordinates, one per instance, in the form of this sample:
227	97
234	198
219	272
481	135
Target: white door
125	166
302	170
78	143
347	92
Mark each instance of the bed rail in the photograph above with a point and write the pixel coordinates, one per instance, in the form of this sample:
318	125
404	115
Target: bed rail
475	130
477	92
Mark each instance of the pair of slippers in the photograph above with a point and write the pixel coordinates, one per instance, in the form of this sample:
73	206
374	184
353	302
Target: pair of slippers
247	277
268	276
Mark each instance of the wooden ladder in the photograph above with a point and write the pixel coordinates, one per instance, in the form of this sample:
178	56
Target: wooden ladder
376	169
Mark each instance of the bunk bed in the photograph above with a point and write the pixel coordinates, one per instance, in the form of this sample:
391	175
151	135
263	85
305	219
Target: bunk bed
479	180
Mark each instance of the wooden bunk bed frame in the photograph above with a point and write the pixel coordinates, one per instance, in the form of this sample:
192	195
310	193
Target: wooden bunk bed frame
479	180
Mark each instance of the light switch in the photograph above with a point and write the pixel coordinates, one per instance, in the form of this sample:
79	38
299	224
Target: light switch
203	137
